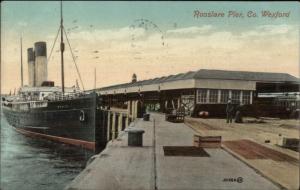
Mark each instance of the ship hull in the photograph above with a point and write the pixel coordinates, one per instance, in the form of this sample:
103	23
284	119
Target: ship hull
69	121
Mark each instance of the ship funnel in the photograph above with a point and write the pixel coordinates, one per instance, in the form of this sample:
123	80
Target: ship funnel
41	71
31	67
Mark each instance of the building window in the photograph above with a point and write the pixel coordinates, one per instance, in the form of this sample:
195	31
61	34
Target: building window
224	96
201	95
235	96
213	96
246	97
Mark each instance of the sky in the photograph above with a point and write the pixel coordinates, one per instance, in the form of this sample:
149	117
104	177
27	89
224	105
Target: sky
151	39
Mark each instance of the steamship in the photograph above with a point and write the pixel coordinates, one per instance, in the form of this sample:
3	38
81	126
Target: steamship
43	110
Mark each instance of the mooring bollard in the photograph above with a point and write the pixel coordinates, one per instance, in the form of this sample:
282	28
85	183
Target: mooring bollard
135	137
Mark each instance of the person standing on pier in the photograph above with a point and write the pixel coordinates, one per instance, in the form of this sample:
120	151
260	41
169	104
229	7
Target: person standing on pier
238	113
229	111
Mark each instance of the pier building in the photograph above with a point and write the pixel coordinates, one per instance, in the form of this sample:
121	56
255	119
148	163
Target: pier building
202	90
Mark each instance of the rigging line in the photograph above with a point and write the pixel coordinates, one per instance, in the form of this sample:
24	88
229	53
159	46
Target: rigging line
53	45
73	59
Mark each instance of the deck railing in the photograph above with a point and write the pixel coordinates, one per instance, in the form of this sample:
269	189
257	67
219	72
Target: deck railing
51	97
65	97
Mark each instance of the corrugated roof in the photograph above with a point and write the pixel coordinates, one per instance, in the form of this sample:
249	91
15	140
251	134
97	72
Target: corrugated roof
213	74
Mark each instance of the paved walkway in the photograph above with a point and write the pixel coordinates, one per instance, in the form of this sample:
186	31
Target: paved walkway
123	167
284	171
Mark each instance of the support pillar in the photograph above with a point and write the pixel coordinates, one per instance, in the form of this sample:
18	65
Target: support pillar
219	96
207	96
127	121
134	109
230	94
241	97
129	108
165	104
108	126
120	123
113	126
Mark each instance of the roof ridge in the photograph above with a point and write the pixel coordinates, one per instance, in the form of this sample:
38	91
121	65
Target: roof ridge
245	71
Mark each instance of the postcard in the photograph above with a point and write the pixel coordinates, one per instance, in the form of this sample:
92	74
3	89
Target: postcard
175	95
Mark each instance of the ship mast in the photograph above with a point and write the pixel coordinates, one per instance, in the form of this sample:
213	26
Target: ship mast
21	63
95	79
62	48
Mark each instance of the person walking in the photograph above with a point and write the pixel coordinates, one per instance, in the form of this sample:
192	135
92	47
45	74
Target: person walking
229	111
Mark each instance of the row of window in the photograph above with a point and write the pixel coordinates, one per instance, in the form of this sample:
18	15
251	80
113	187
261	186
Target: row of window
212	96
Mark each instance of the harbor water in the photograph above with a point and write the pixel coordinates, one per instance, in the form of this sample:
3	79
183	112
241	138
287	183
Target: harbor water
29	164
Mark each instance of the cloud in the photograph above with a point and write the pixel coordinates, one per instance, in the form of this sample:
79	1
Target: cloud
22	24
276	29
271	48
180	42
124	33
150	43
191	30
269	30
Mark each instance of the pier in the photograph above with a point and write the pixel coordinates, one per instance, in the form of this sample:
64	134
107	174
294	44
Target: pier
120	166
170	158
111	122
193	93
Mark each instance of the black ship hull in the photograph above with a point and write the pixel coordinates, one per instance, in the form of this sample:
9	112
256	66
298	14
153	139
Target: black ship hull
72	121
